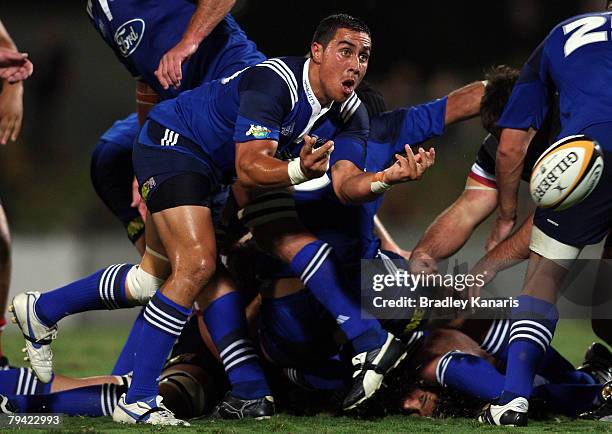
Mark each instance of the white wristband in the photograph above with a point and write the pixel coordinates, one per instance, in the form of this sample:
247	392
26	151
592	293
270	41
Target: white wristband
379	187
296	175
485	83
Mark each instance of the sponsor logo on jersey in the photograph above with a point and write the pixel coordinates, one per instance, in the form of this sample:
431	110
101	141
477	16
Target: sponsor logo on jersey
129	35
287	130
258	132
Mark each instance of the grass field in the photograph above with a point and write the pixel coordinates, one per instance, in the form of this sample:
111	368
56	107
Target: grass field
92	351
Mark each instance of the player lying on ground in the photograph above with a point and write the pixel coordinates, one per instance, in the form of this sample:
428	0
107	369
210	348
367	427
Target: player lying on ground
456	377
22	392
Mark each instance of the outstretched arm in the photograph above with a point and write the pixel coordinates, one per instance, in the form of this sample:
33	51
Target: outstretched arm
205	18
509	252
353	186
508	168
454	226
464	103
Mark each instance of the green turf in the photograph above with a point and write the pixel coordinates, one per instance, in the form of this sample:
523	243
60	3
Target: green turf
92	351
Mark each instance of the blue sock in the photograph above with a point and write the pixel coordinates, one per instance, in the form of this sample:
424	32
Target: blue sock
105	289
470	374
226	324
533	327
496	339
163	322
318	268
21	381
570	399
99	400
125	361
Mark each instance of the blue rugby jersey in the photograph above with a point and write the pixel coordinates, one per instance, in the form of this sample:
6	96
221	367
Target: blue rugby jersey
350	229
140	32
270	101
122	132
575	59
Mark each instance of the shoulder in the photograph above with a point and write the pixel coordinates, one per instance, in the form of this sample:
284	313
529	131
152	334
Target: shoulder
276	75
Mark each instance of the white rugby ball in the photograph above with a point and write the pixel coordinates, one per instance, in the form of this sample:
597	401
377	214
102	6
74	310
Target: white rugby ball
566	173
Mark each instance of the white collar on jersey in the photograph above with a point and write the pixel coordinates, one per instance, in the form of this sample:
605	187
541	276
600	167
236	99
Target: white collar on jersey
310	96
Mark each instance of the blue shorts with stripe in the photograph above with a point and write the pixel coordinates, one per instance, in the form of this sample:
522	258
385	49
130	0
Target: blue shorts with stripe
161	154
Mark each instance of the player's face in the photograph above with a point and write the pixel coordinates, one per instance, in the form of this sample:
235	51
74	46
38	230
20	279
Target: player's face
344	63
420	402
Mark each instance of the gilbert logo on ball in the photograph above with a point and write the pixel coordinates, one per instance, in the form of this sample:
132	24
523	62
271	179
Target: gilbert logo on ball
566	173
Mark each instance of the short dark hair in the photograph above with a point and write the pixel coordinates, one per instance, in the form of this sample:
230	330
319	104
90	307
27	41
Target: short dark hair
371	98
328	26
500	81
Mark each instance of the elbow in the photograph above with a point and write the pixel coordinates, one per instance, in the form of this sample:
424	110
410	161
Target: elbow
243	176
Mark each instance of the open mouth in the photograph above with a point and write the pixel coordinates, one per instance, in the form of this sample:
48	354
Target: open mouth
348	86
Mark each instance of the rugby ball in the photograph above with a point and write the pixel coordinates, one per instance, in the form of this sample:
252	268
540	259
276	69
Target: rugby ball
566	173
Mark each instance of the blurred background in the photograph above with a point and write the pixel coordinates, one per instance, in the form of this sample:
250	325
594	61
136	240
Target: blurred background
422	50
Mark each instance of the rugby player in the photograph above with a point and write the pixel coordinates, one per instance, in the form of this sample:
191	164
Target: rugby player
172	47
561	63
450	367
180	162
169	48
453	227
17	67
296	332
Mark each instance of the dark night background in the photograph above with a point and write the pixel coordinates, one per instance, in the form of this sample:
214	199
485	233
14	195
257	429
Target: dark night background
422	50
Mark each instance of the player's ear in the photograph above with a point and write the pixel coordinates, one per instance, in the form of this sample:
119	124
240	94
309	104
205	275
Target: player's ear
316	52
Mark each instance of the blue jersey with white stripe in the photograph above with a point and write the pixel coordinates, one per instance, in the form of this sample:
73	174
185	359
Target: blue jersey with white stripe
270	101
575	59
140	32
350	229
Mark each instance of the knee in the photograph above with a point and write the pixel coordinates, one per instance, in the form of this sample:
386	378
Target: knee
195	269
142	285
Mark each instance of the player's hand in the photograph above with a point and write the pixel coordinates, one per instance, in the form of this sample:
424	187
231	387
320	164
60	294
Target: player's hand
409	168
315	162
421	262
169	71
485	276
500	231
14	66
137	201
11	112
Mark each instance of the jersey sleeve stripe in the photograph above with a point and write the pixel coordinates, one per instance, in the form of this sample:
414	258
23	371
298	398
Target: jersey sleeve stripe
292	91
283	66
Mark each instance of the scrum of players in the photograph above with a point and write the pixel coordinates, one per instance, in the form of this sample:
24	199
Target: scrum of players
250	185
